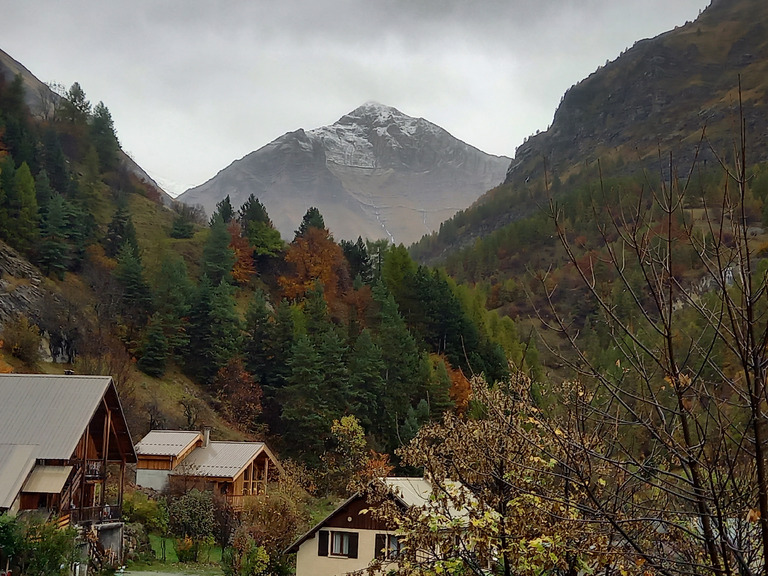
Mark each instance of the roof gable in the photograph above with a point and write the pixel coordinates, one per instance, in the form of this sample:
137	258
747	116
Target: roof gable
221	459
167	442
406	492
52	412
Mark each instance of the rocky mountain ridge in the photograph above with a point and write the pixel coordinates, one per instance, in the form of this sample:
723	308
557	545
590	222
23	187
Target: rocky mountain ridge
644	112
662	92
376	173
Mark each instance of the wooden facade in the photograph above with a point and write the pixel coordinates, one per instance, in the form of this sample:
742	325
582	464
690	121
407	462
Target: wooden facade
179	461
84	495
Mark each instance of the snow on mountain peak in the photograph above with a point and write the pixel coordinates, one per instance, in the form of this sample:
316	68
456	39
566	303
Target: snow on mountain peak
352	140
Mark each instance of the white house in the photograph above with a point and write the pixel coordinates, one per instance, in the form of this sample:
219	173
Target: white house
348	540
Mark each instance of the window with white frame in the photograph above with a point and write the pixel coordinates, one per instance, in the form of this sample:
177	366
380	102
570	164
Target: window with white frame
340	543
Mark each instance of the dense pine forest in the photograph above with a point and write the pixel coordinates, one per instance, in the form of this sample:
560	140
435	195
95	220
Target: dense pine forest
282	338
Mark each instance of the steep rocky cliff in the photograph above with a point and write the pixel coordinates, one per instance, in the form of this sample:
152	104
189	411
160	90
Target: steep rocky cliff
661	94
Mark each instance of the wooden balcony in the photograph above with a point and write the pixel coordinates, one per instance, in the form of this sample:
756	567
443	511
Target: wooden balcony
94	514
235	501
95	470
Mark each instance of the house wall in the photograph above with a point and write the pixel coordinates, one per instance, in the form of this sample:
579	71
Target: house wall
154	464
308	563
155	479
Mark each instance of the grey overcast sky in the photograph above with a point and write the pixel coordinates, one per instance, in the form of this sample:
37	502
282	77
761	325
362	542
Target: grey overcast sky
193	85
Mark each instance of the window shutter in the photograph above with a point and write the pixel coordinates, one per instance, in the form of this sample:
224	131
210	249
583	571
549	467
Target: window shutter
353	536
381	542
322	543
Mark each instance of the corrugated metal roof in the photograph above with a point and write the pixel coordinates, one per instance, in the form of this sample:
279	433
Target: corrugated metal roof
16	461
166	442
219	459
47	479
412	491
48	410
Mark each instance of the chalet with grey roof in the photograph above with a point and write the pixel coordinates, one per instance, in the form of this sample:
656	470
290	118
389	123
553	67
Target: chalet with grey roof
350	538
62	438
178	461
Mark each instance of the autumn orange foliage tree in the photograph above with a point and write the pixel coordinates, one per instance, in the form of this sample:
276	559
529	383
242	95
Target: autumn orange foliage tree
239	395
315	257
461	389
243	269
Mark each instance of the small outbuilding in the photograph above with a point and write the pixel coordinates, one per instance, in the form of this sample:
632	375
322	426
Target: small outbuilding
179	460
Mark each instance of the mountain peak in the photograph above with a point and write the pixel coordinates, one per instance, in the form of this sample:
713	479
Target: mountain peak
376	173
374	114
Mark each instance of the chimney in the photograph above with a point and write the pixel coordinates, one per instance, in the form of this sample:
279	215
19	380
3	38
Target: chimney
206	436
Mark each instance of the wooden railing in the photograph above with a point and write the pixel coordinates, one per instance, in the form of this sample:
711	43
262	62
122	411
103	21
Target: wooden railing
236	501
104	513
95	470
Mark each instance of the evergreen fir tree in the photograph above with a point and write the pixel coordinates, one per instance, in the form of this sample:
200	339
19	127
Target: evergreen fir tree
438	388
43	189
333	354
120	231
81	225
257	346
75	108
53	255
7	185
316	313
403	381
182	227
199	329
214	330
312	219
22	209
136	297
54	162
154	350
218	257
265	239
225	326
356	254
366	380
283	339
172	295
104	137
305	414
224	211
257	226
253	211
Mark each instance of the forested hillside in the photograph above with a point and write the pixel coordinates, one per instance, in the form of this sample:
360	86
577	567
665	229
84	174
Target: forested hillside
279	339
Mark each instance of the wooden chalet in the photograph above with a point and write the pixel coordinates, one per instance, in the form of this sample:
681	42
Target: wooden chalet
349	538
179	461
63	440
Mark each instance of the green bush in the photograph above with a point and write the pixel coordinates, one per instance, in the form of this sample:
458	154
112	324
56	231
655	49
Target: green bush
186	549
244	557
36	547
152	514
22	339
